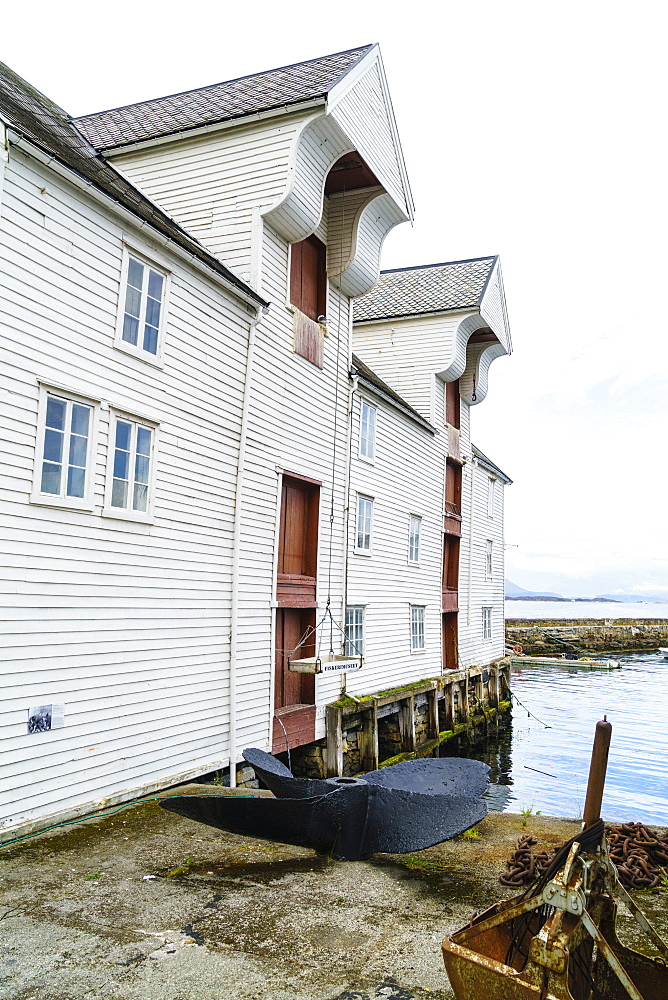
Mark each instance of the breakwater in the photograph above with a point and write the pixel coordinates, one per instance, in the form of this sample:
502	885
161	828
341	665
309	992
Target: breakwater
553	636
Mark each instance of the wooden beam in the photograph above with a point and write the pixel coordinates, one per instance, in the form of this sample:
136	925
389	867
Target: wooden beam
407	724
432	714
369	739
334	742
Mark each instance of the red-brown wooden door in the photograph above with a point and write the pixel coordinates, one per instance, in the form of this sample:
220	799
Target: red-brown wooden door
294	693
450	653
292	688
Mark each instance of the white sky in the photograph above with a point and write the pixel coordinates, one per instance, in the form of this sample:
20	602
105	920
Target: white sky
531	130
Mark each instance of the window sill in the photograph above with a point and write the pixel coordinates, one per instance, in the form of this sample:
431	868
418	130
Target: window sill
366	459
362	552
155	360
418	651
63	503
414	564
128	515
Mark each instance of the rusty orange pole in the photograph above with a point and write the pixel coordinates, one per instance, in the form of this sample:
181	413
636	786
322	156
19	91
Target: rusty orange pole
597	769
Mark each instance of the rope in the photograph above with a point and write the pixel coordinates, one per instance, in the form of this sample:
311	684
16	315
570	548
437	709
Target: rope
564	642
530	714
287	741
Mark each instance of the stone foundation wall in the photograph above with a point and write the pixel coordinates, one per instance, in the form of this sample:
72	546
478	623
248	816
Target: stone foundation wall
554	636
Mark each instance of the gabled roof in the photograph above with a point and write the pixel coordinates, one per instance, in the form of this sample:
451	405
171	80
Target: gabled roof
431	288
48	127
247	95
488	464
383	389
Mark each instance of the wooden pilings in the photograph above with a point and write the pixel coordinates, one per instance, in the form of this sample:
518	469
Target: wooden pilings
412	720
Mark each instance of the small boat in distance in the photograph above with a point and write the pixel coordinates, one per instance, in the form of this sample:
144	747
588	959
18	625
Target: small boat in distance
664	651
565	662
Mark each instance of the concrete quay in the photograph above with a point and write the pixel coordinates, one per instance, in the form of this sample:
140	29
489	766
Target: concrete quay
145	904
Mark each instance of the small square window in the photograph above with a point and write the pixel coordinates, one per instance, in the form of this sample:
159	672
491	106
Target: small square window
414	539
486	623
364	518
64	450
142	308
417	628
367	431
130	472
354	632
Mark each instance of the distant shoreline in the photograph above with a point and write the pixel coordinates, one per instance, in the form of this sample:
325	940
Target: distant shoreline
571	600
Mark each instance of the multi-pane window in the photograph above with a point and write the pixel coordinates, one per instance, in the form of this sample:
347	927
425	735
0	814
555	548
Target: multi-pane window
144	294
354	631
414	539
367	431
132	449
487	623
65	448
417	628
364	515
489	551
491	485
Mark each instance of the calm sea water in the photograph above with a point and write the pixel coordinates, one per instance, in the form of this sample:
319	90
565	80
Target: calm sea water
583	609
635	700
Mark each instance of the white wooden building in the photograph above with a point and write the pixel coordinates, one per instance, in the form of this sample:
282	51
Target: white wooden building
431	333
182	416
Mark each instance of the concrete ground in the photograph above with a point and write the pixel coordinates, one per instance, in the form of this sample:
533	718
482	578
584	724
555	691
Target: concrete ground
145	904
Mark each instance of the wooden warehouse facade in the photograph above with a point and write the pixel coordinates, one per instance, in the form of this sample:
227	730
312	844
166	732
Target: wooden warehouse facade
197	467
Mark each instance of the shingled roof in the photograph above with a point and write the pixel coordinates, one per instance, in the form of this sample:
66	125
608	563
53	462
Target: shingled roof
47	126
220	102
431	288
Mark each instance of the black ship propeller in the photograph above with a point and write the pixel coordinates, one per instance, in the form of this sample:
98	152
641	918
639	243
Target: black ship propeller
405	807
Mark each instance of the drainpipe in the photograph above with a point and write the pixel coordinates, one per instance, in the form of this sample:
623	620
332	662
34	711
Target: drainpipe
474	465
346	506
236	551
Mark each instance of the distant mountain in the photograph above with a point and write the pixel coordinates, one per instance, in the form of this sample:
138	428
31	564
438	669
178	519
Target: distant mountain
634	598
513	592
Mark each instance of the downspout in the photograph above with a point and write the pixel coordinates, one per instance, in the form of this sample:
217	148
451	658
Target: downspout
474	464
236	551
346	508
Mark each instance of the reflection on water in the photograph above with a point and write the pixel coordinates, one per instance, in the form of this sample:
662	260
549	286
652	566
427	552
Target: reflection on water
635	700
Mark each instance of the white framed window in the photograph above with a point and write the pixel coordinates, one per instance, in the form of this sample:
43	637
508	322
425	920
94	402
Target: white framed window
131	468
354	631
364	524
367	431
491	494
65	452
143	306
489	554
414	538
486	623
417	628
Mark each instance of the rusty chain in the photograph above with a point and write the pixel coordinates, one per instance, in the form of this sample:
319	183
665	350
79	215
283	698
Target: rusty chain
640	856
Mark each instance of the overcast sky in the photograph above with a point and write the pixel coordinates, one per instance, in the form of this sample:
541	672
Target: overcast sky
532	130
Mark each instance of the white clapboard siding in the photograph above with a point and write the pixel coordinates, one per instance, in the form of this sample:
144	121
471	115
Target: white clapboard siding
405	478
124	623
363	105
295	412
477	589
211	184
406	353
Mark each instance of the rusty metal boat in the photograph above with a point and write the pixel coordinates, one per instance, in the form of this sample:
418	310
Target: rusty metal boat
558	939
